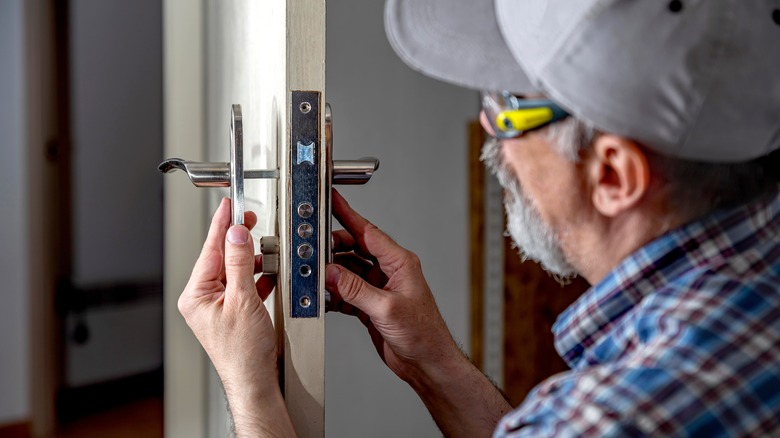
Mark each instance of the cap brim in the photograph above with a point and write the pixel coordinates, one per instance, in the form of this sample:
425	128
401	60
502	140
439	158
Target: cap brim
459	43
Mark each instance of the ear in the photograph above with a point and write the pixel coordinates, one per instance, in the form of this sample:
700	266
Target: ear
619	174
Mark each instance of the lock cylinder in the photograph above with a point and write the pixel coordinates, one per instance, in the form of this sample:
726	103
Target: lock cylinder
269	248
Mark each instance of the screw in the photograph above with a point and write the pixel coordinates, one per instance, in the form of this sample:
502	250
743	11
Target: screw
305	210
305	230
305	107
305	251
305	301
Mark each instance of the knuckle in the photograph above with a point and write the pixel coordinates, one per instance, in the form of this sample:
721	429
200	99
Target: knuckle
350	285
239	260
373	234
406	260
184	306
413	260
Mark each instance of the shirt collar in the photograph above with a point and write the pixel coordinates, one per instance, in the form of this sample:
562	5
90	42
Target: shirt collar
708	240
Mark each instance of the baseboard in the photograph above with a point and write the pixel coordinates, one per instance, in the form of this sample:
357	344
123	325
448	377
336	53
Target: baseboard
21	429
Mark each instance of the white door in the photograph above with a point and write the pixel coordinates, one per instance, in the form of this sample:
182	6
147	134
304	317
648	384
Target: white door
267	56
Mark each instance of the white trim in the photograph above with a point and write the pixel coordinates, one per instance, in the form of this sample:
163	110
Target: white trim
185	224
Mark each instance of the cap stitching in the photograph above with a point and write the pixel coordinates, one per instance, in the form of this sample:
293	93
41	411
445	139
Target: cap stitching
582	108
708	75
595	9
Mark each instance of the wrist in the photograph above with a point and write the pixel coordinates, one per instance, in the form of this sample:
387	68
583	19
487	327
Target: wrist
258	409
462	401
441	371
253	388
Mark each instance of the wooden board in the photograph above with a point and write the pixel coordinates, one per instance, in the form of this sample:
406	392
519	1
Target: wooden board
532	302
476	242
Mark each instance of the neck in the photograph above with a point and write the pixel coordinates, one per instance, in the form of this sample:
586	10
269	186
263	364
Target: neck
609	241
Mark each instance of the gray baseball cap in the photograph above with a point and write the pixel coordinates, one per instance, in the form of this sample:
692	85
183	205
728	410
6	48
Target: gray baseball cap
695	79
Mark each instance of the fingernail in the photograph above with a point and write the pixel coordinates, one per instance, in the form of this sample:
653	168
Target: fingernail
332	275
238	235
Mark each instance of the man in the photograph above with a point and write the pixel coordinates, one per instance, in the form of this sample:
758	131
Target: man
635	145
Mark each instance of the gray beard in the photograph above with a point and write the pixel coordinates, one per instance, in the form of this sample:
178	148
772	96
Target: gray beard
533	238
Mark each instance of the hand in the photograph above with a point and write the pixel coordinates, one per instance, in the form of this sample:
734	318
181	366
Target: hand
383	284
223	305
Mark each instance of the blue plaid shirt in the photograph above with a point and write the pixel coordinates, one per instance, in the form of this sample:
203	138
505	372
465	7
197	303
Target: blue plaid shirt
681	339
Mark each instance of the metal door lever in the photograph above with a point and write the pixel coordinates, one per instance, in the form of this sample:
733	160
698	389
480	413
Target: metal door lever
218	174
354	171
212	174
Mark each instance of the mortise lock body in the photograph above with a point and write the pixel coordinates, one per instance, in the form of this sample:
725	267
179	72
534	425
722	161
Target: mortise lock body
303	176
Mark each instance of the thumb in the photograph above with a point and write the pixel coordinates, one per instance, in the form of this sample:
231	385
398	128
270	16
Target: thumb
239	261
352	289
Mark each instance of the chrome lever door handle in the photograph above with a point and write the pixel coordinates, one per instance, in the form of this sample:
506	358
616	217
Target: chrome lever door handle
211	174
201	174
354	171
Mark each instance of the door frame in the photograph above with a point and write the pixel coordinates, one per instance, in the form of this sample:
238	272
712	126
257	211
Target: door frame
46	187
184	111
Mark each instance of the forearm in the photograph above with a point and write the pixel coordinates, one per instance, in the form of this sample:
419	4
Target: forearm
462	401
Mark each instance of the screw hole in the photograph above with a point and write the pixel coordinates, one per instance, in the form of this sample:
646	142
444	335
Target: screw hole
305	270
675	6
305	301
305	107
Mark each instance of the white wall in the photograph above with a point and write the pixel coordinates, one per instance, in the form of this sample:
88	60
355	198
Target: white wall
14	398
417	128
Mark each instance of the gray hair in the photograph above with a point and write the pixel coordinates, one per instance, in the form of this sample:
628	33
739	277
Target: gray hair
693	188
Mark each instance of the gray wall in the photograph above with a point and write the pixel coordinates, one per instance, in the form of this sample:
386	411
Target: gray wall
14	387
116	120
116	80
417	127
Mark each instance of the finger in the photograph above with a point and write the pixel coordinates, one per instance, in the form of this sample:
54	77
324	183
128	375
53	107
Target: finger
239	262
370	239
345	242
265	285
337	304
352	289
353	262
209	264
250	220
370	272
